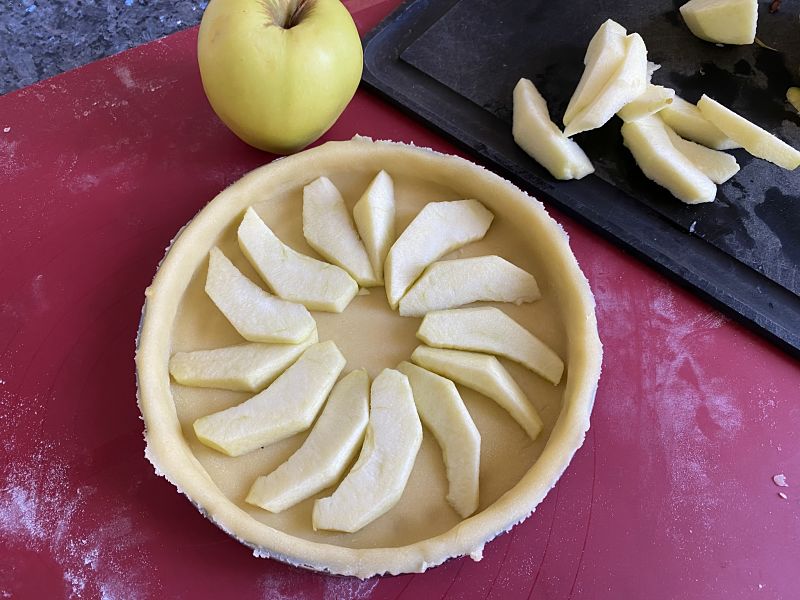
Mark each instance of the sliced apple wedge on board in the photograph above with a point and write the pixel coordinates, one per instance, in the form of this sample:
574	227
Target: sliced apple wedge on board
688	122
722	21
377	480
453	283
439	228
374	216
326	452
313	283
257	315
719	166
654	99
489	330
286	407
541	139
751	137
485	375
627	83
661	162
443	412
329	229
603	57
244	367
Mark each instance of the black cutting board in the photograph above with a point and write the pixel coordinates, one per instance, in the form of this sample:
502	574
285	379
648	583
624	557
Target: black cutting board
454	63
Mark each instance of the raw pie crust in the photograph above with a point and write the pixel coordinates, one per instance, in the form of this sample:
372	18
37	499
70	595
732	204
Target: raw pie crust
422	530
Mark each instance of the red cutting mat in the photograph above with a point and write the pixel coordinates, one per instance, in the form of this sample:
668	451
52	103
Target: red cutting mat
671	496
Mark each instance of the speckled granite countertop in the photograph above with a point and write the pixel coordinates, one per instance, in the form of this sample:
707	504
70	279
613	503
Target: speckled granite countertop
41	38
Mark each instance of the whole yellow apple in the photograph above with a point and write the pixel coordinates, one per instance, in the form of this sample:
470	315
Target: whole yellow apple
279	72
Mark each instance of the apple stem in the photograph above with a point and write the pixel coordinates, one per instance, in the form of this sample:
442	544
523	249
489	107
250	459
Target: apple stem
288	14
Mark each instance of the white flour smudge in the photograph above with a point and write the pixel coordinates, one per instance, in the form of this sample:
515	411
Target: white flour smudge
690	409
286	582
124	74
348	588
42	512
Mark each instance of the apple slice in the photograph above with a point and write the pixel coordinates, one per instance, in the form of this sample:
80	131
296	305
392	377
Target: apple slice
286	407
326	452
313	283
439	228
452	283
689	123
627	83
717	165
660	161
485	375
257	315
654	99
755	140
490	330
793	96
443	412
603	56
374	216
539	137
722	21
329	229
377	480
244	368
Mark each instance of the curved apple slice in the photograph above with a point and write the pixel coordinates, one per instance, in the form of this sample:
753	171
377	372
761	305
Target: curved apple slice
374	215
539	137
244	368
443	412
377	480
293	276
627	83
718	166
754	139
490	330
654	99
661	162
451	283
326	452
257	315
603	56
689	123
485	375
286	407
439	228
329	229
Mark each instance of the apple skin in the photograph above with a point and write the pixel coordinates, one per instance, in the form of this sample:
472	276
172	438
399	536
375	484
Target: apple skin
278	89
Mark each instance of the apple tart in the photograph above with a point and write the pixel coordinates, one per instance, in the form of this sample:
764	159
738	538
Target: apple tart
314	377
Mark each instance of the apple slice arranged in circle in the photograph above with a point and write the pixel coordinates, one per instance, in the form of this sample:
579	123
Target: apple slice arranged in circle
326	452
293	276
329	229
452	283
490	330
443	412
286	407
439	228
257	315
485	375
244	367
374	216
377	480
